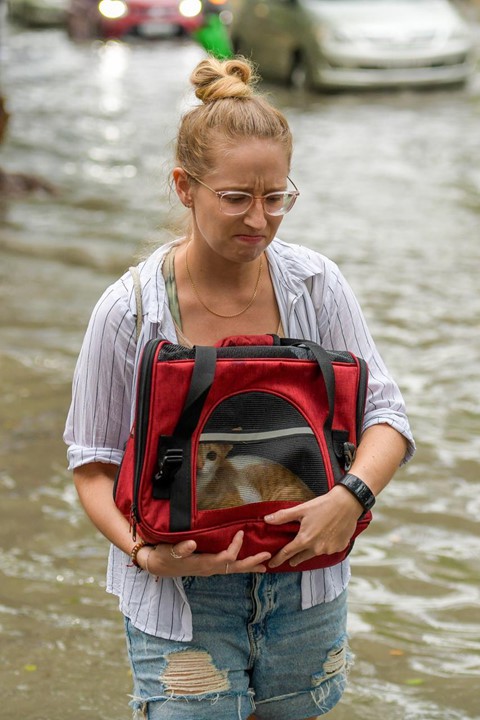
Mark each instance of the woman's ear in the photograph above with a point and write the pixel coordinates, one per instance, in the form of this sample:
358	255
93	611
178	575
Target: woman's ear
182	186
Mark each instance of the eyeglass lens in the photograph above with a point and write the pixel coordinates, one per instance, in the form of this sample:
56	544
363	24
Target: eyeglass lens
236	203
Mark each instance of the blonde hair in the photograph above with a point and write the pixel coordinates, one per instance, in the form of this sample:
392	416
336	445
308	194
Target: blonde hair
230	106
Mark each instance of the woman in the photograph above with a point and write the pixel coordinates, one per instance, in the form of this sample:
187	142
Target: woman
202	643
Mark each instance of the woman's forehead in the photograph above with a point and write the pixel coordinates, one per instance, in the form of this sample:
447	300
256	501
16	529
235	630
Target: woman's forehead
249	157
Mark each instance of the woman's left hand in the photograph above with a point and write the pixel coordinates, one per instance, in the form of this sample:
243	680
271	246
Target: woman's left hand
327	524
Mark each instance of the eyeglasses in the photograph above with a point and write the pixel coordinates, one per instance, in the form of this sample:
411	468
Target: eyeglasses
237	202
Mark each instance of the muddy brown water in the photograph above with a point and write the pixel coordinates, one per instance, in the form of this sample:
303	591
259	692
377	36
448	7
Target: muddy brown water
390	189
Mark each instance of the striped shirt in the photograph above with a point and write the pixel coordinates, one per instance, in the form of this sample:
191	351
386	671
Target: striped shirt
315	303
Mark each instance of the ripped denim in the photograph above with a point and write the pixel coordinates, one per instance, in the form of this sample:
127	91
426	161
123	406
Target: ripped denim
254	650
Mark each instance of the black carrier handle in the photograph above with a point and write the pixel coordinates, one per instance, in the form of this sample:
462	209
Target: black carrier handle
326	368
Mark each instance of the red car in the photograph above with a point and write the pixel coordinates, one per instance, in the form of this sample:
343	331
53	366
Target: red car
144	18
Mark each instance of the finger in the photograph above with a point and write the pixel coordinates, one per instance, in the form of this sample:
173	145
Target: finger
286	553
231	553
255	563
299	558
283	516
256	569
223	561
184	549
247	564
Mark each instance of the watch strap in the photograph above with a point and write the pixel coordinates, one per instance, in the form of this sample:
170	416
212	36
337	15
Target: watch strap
359	490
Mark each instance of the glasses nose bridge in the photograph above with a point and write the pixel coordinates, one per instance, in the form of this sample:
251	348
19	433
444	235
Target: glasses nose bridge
254	199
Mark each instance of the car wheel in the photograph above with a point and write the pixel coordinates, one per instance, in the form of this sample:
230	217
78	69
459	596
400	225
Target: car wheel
299	76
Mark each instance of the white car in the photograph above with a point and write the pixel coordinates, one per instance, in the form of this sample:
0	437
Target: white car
355	43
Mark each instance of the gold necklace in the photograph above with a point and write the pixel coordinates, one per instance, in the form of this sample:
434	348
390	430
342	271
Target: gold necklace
250	303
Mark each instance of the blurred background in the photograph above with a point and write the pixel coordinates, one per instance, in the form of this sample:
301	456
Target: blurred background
383	99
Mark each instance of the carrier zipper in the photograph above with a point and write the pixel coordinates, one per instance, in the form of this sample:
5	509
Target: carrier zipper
144	385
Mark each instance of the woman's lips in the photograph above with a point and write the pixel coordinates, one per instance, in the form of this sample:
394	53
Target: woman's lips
251	239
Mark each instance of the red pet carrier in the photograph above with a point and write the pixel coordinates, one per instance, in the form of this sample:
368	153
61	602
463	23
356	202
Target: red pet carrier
226	435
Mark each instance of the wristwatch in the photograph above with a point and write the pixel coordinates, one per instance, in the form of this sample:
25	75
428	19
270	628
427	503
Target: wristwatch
359	490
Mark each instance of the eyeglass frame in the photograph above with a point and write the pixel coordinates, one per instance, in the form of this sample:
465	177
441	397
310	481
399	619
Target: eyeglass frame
221	194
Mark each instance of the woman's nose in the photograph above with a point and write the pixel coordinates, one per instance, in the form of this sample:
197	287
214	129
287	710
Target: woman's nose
256	214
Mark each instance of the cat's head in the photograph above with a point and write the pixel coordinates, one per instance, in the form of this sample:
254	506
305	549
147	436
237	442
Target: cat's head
210	455
209	458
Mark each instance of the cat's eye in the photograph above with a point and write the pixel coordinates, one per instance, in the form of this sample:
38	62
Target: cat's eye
211	455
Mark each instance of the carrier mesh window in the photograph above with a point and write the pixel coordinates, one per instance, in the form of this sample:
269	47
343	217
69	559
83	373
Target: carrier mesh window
256	447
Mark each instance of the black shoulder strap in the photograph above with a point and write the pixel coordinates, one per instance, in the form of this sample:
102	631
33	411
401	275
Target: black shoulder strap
174	452
200	383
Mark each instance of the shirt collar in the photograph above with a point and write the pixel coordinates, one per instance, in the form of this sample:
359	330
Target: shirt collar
291	265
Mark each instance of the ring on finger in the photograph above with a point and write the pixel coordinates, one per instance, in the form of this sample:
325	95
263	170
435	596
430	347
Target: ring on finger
227	568
174	554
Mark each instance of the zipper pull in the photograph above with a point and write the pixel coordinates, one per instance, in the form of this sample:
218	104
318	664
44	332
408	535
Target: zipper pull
349	452
133	522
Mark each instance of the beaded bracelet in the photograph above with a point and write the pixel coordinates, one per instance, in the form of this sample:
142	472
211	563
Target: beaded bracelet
134	552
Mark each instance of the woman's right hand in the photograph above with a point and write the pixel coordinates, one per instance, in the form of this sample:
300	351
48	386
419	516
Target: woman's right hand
181	559
94	483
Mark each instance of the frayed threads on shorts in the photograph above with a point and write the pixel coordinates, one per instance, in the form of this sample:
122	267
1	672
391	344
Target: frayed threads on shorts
142	708
328	685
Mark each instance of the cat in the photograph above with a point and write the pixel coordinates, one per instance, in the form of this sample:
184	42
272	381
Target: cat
224	482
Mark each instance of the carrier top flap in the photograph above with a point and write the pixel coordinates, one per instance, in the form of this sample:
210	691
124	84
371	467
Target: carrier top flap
248	340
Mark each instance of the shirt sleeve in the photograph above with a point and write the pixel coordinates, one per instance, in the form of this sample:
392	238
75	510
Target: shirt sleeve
342	325
98	422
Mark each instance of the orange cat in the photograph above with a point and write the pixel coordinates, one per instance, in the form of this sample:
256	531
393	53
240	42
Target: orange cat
227	482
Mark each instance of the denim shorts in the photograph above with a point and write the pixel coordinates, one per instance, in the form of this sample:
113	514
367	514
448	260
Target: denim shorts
254	651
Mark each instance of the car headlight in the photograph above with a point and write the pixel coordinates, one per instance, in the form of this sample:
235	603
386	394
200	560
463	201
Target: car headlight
113	9
190	8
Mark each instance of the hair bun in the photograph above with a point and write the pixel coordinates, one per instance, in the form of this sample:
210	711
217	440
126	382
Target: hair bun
220	79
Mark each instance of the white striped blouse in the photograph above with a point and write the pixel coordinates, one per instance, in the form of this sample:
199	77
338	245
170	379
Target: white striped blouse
315	303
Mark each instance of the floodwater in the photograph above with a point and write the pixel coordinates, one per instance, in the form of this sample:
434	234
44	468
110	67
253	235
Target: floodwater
390	189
